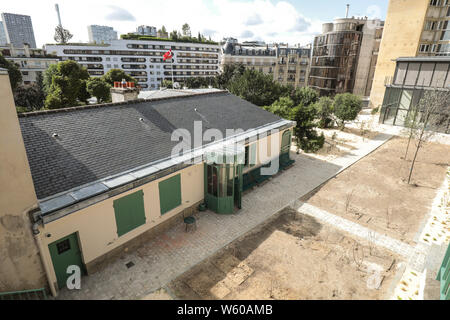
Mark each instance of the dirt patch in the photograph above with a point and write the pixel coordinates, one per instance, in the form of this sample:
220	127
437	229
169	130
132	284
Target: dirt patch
373	192
291	256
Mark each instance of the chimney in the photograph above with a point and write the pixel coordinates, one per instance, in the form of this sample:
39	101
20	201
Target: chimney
124	91
347	11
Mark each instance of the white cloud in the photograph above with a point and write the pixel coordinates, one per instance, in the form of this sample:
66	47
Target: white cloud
267	20
119	14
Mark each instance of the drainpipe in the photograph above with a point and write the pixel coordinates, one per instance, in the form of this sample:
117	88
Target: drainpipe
36	233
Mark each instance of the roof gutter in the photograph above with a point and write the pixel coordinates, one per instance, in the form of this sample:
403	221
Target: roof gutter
62	204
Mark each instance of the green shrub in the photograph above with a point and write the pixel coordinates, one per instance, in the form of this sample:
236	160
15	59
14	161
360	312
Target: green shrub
346	107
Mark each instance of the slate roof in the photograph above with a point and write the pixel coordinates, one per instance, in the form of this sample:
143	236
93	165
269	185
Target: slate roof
97	142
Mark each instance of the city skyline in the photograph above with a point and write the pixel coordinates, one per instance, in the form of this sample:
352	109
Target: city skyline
271	21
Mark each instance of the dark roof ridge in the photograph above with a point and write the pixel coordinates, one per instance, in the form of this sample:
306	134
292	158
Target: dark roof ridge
110	104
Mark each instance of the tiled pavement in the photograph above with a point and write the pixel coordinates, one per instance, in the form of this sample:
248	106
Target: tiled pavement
175	251
415	256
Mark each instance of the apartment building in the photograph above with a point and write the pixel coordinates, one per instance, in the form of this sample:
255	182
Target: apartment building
101	34
146	31
345	55
292	66
143	59
30	61
287	65
2	34
413	28
18	29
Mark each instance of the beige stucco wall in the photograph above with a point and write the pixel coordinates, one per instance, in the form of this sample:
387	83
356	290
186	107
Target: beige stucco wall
20	264
96	225
402	31
362	76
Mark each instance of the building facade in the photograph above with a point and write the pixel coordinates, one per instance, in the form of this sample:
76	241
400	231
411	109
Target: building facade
143	59
2	34
413	28
30	61
146	31
292	67
412	78
101	34
18	30
344	56
287	65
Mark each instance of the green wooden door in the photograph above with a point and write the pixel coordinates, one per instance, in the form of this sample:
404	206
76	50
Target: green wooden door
65	252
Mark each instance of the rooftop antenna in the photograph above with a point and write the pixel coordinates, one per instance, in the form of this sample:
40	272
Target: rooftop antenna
59	16
346	12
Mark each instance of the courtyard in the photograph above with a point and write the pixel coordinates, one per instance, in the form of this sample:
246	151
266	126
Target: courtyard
280	246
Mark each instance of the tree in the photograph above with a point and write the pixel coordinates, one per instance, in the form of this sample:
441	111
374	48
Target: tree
324	109
186	29
346	107
100	89
174	35
29	97
304	96
283	107
167	84
117	75
198	82
255	87
68	85
430	115
15	76
306	136
49	73
62	35
223	80
162	30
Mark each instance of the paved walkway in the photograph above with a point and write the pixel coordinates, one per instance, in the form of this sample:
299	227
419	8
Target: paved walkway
414	255
175	251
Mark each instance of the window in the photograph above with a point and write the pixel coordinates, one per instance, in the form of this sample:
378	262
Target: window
129	212
424	48
63	246
170	194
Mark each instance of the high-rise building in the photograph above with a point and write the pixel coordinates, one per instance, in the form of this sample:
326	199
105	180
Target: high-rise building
344	56
101	34
143	59
18	29
287	65
2	34
146	31
413	28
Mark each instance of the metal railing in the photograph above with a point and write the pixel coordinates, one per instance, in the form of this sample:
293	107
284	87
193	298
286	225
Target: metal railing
35	294
444	276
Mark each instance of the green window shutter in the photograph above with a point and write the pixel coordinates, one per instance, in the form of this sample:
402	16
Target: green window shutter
253	155
170	193
129	212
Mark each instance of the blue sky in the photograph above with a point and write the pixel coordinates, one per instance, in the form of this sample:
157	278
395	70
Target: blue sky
327	10
292	21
